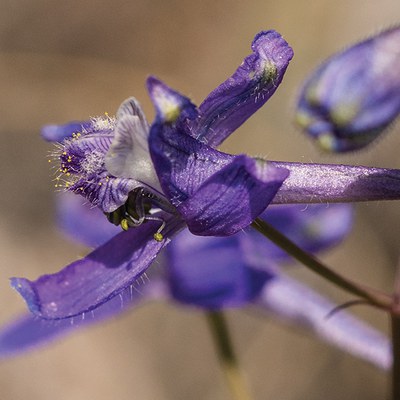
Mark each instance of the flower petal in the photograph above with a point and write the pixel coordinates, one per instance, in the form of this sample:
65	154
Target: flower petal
181	162
87	283
128	155
211	272
171	106
232	198
299	305
29	331
82	222
354	95
57	133
253	83
325	183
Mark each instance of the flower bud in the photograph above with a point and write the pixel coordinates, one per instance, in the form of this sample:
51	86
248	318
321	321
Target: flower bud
353	96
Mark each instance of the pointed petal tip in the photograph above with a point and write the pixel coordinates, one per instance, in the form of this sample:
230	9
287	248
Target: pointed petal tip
24	288
169	104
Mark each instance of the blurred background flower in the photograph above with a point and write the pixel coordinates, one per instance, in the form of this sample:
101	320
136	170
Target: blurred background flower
63	61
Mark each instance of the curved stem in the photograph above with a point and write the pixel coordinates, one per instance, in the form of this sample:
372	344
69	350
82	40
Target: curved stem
373	296
226	355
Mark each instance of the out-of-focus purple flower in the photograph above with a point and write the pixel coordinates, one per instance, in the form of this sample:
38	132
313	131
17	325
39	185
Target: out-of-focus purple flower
216	273
353	96
169	175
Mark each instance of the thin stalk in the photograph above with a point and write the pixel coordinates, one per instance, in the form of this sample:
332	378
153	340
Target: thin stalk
395	324
373	296
226	355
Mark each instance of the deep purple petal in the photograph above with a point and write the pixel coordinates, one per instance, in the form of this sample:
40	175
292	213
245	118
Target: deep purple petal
253	83
328	183
87	283
30	331
301	306
57	133
171	107
181	162
232	198
312	227
211	272
354	95
82	222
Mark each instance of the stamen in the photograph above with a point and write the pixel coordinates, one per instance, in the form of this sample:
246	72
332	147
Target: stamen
124	224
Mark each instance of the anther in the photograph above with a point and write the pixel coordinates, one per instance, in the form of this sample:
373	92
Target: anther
124	224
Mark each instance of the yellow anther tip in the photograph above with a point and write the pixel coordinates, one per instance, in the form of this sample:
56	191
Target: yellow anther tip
124	224
158	237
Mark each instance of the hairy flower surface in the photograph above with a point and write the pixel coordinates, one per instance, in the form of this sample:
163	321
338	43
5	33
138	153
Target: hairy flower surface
353	96
155	180
215	273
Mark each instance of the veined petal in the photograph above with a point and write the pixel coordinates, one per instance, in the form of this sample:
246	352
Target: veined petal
29	331
253	83
88	283
211	272
57	133
328	183
83	171
232	198
181	162
301	306
82	222
128	156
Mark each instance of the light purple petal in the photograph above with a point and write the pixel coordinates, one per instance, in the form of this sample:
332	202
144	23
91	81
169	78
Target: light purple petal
253	83
57	133
87	283
82	222
82	171
301	306
29	331
328	183
211	272
232	198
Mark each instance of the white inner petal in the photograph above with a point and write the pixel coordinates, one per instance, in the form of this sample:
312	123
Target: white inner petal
128	156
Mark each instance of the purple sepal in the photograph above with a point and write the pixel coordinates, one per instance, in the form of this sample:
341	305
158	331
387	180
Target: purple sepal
232	198
353	96
29	331
82	222
330	183
87	283
181	162
299	305
241	95
212	273
171	107
57	133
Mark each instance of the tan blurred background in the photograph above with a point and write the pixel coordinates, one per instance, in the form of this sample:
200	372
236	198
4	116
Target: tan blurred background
62	61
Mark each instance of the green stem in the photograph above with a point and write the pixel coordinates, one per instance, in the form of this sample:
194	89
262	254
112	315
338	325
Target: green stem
226	355
373	296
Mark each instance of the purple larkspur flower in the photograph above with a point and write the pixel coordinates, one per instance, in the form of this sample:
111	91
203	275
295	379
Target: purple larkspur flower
354	95
161	178
213	273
